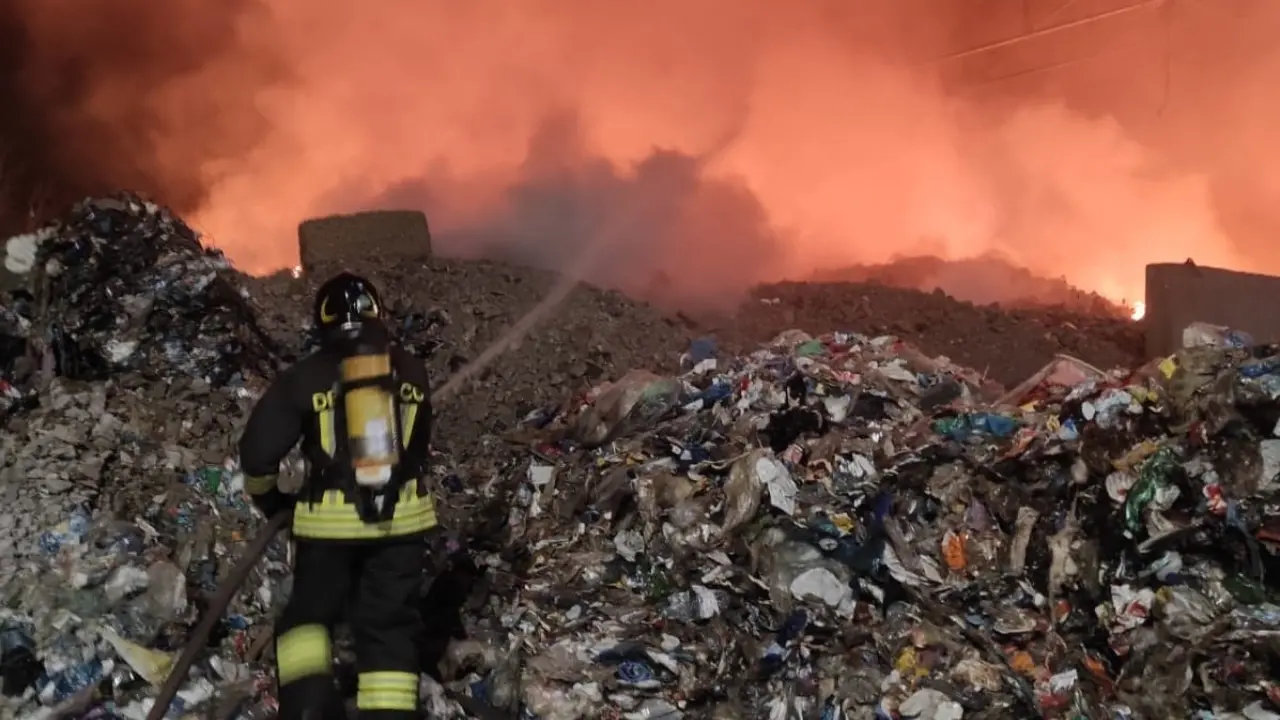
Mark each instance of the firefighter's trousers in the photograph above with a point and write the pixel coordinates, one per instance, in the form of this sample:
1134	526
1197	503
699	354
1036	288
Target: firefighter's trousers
376	585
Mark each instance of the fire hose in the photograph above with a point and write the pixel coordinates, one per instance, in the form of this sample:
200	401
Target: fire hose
217	606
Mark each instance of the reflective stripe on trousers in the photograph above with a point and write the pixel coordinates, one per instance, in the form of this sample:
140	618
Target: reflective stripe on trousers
387	690
303	652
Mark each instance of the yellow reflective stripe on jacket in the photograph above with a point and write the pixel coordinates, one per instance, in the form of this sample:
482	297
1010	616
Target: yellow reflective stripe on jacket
387	690
303	652
328	442
259	484
408	415
331	517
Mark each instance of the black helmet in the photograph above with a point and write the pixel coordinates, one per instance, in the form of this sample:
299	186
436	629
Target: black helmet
345	302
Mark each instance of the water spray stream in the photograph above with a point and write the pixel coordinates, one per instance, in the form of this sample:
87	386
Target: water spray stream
608	238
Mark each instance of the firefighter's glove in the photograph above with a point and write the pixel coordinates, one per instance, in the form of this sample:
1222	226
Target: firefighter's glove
273	502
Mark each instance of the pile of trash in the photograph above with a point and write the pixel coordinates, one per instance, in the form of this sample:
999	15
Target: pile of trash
130	355
130	358
988	278
1006	344
110	298
830	526
840	527
92	627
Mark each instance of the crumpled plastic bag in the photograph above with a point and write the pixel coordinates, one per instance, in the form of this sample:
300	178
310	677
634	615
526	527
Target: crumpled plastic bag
796	571
577	702
750	477
639	397
1200	334
930	704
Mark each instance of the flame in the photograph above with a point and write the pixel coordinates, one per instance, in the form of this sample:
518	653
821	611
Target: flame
1139	311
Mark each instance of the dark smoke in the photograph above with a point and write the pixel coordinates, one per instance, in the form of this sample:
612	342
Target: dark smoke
101	95
656	216
1080	140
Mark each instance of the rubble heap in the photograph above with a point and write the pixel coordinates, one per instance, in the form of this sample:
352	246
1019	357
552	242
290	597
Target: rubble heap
1006	344
130	358
113	299
828	525
464	306
838	526
455	310
130	354
984	278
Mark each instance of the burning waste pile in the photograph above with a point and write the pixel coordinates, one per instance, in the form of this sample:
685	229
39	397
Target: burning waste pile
837	526
833	526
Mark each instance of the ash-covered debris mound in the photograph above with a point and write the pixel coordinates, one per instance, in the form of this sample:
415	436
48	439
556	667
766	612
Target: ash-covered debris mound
454	310
988	279
1006	345
121	286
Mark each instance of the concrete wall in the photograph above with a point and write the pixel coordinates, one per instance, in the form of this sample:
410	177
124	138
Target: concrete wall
1180	294
380	234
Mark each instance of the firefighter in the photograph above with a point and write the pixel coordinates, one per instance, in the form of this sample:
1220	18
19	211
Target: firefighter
360	407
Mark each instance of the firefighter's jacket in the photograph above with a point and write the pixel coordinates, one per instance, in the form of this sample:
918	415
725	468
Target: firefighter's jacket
299	405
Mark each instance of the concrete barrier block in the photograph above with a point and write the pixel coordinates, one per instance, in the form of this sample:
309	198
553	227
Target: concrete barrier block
1179	294
377	234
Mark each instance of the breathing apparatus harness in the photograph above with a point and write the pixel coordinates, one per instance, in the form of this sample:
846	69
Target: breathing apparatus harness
368	459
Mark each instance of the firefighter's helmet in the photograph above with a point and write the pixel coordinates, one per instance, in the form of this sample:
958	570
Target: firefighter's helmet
346	302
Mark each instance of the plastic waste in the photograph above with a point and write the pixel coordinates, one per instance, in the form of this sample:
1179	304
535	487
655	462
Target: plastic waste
638	398
1201	334
697	603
